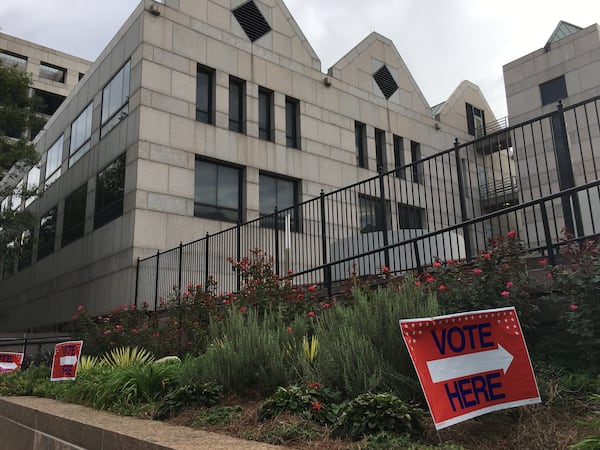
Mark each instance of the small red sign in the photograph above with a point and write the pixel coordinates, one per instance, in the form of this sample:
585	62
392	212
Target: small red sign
65	361
470	364
10	362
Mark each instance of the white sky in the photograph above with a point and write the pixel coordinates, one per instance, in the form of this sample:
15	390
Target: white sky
442	41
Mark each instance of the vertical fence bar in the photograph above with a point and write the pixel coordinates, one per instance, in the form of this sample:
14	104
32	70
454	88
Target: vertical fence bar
276	231
546	225
206	256
238	252
461	196
180	270
156	280
325	262
137	281
383	215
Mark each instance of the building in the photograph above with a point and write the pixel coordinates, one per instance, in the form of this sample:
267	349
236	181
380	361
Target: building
200	114
566	70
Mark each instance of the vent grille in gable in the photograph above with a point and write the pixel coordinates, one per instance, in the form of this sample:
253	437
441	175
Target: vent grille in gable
252	21
385	81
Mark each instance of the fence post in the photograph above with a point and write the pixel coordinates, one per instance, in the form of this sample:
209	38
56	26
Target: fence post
180	272
383	216
566	179
326	265
276	228
156	280
238	251
137	281
463	201
207	238
549	247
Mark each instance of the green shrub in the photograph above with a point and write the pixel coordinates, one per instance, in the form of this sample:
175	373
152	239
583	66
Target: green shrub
313	402
372	413
361	347
203	394
217	415
23	382
592	439
126	357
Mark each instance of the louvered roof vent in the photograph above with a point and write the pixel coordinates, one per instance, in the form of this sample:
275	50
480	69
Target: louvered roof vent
385	81
251	20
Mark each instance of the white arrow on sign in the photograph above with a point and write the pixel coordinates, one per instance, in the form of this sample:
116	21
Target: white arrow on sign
464	365
8	366
68	360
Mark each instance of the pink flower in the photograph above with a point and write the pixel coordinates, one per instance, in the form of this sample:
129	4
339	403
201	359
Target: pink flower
573	306
512	233
477	271
311	314
107	332
486	255
99	317
549	276
385	269
417	283
430	279
312	288
80	308
198	286
327	305
118	327
316	406
134	331
290	271
544	261
450	262
509	285
190	286
437	264
505	294
289	330
442	287
156	334
243	309
187	294
315	386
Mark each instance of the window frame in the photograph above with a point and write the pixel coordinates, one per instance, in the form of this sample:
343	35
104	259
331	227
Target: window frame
399	156
374	211
553	90
18	62
49	71
111	115
215	210
80	147
208	94
294	207
265	114
105	212
292	122
237	105
53	175
72	231
412	211
46	243
360	141
417	169
380	150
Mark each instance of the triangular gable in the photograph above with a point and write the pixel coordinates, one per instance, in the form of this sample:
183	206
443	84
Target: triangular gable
452	112
562	30
375	66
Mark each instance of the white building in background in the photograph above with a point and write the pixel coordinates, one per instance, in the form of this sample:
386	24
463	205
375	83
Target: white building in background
199	114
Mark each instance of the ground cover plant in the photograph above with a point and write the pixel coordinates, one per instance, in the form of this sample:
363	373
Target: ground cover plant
277	363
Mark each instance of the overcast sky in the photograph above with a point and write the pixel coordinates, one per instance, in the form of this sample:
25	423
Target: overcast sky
442	41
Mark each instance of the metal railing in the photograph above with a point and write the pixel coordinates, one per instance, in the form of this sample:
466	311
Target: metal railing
404	218
40	344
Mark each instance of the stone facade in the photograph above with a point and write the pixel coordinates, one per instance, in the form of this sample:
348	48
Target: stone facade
175	64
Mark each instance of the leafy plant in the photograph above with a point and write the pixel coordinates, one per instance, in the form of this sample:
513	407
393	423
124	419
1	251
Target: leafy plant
372	413
314	402
217	415
25	381
310	347
592	440
203	394
127	357
87	362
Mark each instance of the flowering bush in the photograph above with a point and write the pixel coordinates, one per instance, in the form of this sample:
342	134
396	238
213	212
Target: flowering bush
497	277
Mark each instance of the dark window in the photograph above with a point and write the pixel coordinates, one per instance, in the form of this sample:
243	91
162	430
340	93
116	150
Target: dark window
372	216
399	160
251	20
26	249
115	95
54	161
360	138
110	189
49	102
47	234
237	105
292	122
475	121
554	90
385	81
380	149
280	193
13	60
33	182
265	114
204	94
53	73
410	217
417	167
74	217
81	131
217	192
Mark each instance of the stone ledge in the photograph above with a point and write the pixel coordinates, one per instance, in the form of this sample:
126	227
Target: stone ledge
41	423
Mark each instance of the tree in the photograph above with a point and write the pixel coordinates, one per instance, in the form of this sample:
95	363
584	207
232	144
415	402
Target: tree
17	117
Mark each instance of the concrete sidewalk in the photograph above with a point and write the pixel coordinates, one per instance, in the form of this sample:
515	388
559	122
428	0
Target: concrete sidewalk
31	423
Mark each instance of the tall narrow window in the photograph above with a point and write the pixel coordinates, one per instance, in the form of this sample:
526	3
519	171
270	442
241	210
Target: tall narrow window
360	138
47	234
292	122
417	166
217	192
53	73
237	105
475	121
74	217
110	190
280	193
115	99
265	114
372	216
81	131
380	150
399	159
204	94
54	161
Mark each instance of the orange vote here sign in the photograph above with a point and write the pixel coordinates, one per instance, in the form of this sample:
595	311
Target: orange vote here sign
471	363
66	360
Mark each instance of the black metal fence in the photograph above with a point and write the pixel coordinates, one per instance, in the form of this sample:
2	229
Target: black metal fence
31	346
537	178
